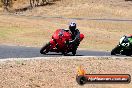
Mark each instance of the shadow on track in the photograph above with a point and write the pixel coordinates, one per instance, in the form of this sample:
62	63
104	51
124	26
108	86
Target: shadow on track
30	52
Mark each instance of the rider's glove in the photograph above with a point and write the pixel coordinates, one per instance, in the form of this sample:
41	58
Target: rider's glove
71	42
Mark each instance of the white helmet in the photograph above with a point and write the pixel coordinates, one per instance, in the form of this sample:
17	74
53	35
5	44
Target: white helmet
72	26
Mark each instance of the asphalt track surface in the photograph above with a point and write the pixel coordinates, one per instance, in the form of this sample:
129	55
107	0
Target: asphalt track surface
30	52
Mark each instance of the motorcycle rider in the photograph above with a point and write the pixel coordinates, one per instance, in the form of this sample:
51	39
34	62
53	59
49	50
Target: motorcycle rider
75	33
124	47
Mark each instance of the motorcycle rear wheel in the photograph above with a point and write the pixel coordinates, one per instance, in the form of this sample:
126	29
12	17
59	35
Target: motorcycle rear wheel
74	52
64	53
45	48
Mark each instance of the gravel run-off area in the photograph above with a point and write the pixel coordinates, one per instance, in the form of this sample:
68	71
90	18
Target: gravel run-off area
60	72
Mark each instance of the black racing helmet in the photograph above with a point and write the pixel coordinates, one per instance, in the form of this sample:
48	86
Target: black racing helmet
72	26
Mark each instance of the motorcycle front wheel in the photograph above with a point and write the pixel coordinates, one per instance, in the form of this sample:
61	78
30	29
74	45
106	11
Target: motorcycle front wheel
45	48
116	50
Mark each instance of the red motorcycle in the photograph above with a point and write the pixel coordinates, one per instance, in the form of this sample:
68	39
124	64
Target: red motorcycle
59	43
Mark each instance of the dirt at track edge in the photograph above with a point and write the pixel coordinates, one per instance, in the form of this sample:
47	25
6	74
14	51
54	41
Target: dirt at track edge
60	72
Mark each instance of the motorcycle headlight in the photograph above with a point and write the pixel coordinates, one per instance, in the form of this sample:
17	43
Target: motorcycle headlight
125	44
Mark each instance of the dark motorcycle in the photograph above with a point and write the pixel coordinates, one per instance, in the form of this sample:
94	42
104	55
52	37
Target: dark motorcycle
124	47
